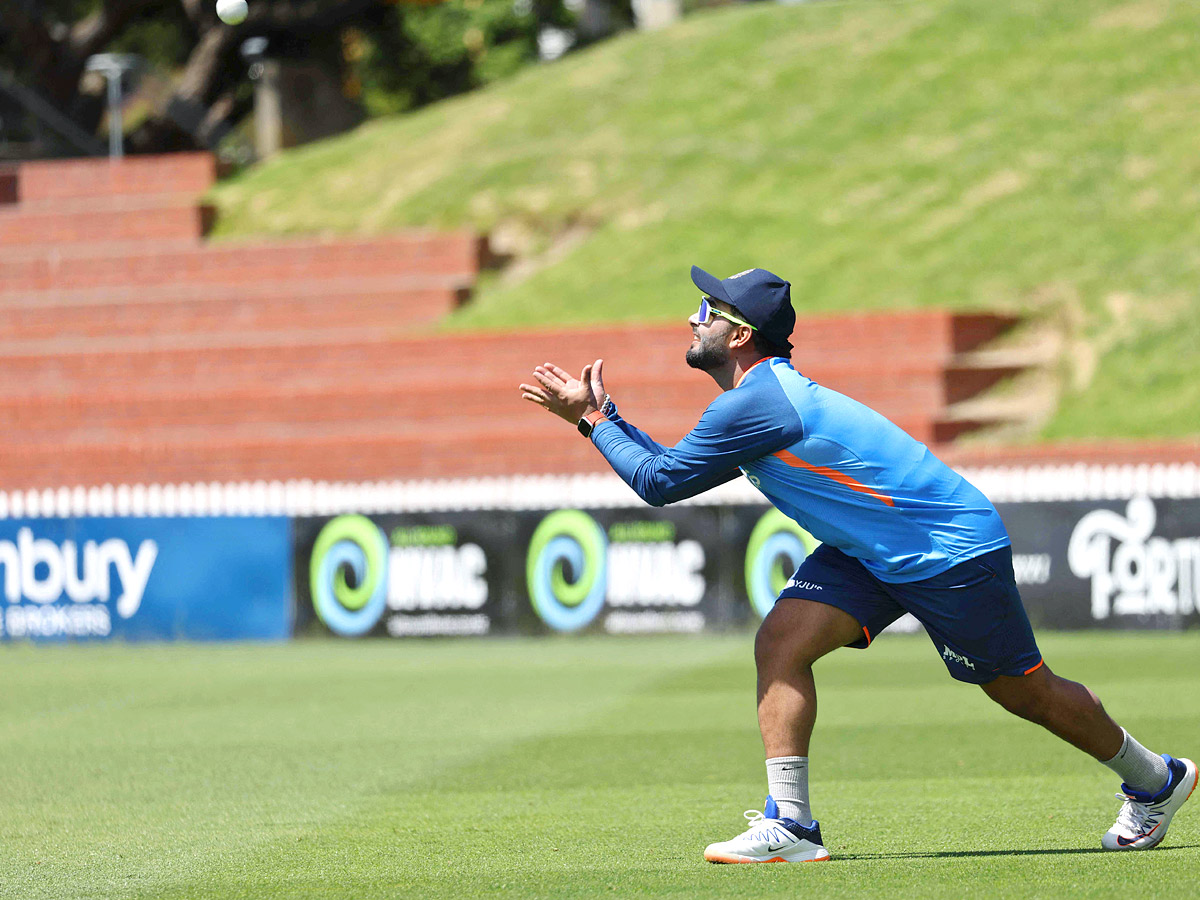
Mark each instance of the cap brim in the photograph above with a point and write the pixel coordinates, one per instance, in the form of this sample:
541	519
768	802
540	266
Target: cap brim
710	284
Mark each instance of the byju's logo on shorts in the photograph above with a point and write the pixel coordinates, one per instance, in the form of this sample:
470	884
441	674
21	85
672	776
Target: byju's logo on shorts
950	655
566	569
805	585
776	548
349	544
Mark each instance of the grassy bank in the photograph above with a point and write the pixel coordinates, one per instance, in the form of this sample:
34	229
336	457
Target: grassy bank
1031	156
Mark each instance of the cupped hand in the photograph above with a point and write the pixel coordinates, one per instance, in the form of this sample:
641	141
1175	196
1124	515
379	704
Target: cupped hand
557	391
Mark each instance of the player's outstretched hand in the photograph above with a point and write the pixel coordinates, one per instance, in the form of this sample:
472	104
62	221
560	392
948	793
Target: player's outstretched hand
567	397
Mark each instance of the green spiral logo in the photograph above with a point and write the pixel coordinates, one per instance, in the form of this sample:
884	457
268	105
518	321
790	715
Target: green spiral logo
566	569
777	547
349	544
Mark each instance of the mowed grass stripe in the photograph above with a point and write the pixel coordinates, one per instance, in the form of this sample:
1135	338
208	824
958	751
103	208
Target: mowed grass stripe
145	769
560	768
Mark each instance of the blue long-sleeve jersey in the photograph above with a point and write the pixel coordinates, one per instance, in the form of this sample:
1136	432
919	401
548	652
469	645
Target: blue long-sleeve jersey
847	475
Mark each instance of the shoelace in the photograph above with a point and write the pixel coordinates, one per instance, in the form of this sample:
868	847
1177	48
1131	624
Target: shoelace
1133	814
754	818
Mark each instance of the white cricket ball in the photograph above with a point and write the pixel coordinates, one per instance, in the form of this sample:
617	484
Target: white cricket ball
232	12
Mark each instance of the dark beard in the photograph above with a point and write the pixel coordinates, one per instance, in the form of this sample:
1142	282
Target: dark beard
707	357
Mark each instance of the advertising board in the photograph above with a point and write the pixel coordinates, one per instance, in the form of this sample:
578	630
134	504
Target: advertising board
620	571
1107	564
1079	564
1129	563
413	575
218	578
624	571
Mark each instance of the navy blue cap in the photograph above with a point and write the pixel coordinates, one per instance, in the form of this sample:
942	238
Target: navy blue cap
763	299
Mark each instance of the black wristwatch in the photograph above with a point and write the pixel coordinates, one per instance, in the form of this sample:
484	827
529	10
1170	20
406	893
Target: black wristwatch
588	422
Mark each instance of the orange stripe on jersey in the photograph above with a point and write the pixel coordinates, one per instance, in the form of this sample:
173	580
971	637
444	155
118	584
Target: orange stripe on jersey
1041	663
765	359
840	477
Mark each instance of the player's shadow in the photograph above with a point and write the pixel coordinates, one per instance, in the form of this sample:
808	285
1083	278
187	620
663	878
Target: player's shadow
959	854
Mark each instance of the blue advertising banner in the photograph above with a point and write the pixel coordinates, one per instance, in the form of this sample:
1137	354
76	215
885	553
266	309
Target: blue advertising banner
225	578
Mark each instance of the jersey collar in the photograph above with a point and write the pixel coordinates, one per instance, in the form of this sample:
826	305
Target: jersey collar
765	359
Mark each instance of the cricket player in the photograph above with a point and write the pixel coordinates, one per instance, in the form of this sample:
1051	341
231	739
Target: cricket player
900	532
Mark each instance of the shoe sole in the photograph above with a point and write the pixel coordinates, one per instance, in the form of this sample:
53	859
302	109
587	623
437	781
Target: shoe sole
1163	825
822	855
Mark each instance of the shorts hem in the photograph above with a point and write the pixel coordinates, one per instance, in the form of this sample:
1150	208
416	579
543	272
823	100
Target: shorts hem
1016	672
862	643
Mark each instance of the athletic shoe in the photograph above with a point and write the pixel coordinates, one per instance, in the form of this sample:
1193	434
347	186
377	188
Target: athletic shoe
770	838
1144	818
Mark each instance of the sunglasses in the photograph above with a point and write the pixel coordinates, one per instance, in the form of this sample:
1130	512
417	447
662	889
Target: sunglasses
707	311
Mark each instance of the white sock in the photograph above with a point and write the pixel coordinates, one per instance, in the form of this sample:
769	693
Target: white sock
787	780
1138	767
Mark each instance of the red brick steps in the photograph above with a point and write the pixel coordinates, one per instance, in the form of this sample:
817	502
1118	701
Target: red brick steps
299	386
71	179
366	453
148	315
299	260
133	351
653	356
53	228
430	401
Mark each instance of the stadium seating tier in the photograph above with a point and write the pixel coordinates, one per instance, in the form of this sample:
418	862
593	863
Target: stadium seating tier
134	350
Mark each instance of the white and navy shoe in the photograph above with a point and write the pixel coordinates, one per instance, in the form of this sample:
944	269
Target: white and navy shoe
770	838
1143	820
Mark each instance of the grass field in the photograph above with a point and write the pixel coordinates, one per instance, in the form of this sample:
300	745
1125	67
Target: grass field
1035	156
561	768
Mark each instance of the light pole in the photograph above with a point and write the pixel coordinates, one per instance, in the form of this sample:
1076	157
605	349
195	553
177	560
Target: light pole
113	67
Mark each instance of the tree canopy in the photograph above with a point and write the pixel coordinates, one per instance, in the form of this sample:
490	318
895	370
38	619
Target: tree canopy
388	55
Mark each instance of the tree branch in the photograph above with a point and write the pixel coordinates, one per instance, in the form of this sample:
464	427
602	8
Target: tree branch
303	18
195	11
201	76
26	22
91	34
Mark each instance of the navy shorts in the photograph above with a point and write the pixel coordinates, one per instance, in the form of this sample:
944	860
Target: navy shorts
972	612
